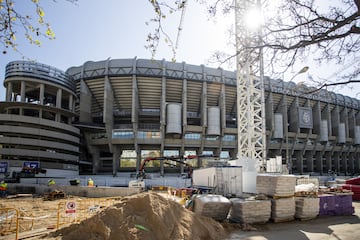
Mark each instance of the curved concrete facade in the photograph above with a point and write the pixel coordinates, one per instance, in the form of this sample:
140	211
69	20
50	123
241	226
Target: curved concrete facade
122	105
36	119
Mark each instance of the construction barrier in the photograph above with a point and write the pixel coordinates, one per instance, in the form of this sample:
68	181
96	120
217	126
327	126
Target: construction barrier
21	222
9	221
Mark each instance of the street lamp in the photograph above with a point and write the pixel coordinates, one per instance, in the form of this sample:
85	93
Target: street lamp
303	70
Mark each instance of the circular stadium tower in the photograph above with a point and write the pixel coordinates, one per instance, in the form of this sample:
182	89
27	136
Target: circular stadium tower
36	120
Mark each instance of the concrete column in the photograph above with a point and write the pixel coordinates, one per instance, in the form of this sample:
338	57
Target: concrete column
351	167
58	98
71	103
163	115
120	154
284	111
328	161
58	104
184	109
9	90
116	157
344	162
222	103
108	116
22	91
199	160
95	152
204	119
42	93
309	161
319	162
85	102
357	160
336	159
134	115
299	162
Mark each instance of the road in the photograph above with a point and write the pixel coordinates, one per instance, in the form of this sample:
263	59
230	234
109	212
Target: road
321	228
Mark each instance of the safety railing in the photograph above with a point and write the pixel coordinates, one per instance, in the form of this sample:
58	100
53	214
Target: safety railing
9	221
17	222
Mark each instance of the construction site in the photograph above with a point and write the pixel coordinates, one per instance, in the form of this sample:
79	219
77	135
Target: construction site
65	135
212	207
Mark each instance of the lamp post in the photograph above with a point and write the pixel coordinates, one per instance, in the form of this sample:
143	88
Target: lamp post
303	70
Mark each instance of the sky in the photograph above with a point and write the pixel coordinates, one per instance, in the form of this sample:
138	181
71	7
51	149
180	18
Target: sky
94	30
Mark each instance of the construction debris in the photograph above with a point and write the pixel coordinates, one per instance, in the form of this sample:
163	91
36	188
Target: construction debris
54	195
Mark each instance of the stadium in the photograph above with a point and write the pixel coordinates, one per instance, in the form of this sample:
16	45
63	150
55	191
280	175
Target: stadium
104	117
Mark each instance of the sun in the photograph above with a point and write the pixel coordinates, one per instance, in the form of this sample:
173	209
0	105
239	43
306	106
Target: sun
253	19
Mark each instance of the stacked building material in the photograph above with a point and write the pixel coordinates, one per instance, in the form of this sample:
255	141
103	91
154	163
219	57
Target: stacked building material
213	206
283	209
353	185
335	205
281	188
249	211
276	185
307	207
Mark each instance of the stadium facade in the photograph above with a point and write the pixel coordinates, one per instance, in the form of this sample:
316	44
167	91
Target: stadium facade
87	118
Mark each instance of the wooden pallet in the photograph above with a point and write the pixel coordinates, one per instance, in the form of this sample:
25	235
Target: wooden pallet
280	196
306	194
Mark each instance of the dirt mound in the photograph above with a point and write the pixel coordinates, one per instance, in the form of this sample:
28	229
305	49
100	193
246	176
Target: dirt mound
145	216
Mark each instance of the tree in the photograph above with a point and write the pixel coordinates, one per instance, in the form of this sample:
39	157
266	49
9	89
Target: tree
326	30
15	22
162	11
298	30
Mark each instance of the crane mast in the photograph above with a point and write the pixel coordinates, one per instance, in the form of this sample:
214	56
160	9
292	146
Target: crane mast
250	89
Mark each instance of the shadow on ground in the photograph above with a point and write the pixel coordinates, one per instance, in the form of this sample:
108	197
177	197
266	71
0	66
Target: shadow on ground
329	227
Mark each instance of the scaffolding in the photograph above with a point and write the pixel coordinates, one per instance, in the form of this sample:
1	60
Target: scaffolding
250	89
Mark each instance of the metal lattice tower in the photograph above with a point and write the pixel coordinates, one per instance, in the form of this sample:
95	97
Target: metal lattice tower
250	93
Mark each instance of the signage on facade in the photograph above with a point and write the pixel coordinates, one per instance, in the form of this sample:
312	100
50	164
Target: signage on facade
4	167
31	164
305	117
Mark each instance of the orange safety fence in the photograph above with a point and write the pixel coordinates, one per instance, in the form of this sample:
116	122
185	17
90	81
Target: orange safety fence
15	221
9	221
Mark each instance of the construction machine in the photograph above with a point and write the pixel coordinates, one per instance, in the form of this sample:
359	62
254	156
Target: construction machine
141	175
54	195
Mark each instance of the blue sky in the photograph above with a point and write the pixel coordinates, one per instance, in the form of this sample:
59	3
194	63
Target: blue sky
94	30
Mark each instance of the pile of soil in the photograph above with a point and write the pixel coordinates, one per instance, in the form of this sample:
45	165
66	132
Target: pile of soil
145	216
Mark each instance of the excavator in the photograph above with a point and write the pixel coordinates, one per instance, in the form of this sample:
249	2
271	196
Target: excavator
141	175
